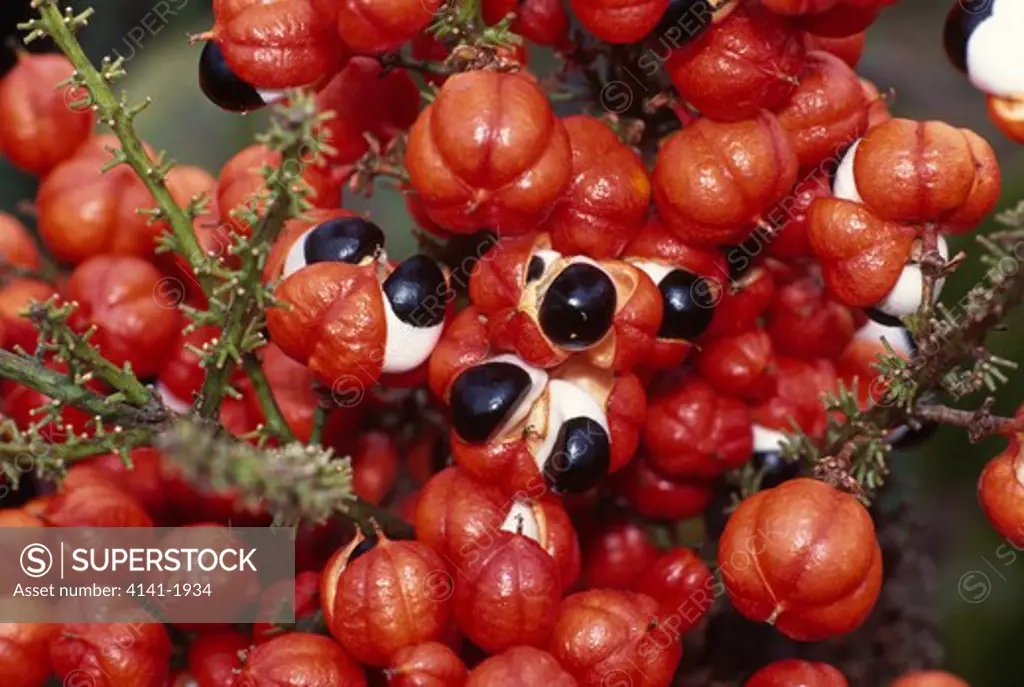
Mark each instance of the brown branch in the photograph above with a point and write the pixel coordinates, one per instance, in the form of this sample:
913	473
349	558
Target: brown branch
978	423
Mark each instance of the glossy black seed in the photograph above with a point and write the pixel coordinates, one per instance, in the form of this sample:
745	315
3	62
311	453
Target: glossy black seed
578	308
484	396
684	21
688	305
222	86
418	292
345	239
774	469
580	457
883	318
961	22
535	270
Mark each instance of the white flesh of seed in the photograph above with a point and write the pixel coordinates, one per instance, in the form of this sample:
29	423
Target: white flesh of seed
566	401
905	297
406	347
845	184
995	51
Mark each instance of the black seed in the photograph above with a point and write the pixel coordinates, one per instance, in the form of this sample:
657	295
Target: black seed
418	292
578	308
222	86
688	305
535	270
684	21
580	457
774	469
883	318
345	239
484	396
961	22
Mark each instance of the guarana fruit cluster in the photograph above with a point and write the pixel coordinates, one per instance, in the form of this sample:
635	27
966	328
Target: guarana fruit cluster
633	332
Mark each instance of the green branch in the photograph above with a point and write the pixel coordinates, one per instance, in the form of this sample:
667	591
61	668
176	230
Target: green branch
294	482
83	359
275	422
242	301
65	390
120	117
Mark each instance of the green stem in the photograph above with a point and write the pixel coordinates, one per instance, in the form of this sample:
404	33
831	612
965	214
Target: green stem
316	436
119	116
57	386
244	315
51	322
275	421
11	453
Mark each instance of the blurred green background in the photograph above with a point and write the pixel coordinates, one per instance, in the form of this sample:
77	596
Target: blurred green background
904	54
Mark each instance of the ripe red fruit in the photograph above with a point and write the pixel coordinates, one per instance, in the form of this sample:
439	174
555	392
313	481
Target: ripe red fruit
298	659
1001	492
374	466
372	27
908	171
796	396
682	585
508	459
461	518
603	633
84	212
843	19
396	594
745	298
506	176
16	245
241	180
657	242
739	365
116	294
94	504
780	565
1008	115
619	21
521	666
365	99
847	48
607	200
143	480
615	554
277	44
544	22
799	6
25	652
215	657
929	678
507	594
112	654
792	215
16	296
861	254
713	180
694	431
654	496
426	665
747	62
305	600
518	306
41	125
827	113
804	323
791	672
